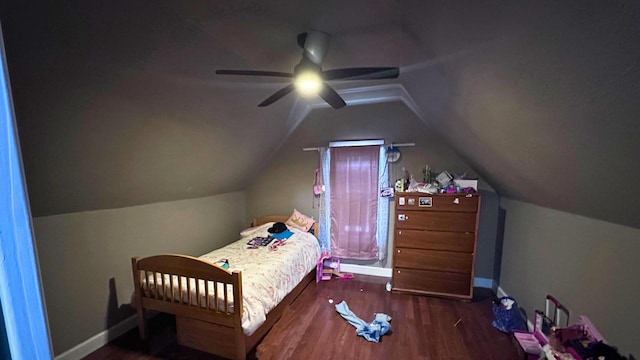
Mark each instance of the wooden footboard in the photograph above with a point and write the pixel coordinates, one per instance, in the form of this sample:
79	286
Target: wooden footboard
196	292
159	282
210	326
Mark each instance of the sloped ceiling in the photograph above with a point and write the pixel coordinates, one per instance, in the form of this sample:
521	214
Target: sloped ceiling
118	104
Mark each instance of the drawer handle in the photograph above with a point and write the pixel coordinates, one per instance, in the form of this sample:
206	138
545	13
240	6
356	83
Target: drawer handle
400	232
398	271
398	251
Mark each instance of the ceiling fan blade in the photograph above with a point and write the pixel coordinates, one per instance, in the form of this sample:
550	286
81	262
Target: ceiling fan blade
364	73
316	45
331	97
254	73
301	39
277	95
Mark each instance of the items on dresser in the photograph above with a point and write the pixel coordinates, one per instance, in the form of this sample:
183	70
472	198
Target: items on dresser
435	243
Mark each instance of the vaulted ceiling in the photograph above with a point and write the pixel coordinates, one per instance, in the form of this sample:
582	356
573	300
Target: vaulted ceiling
117	104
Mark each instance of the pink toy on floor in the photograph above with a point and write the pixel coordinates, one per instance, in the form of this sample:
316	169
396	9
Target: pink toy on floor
328	273
343	276
328	267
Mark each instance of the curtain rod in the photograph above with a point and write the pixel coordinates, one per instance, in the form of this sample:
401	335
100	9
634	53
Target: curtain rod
401	144
390	144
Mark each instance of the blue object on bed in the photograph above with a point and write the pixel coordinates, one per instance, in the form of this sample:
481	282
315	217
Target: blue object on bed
283	235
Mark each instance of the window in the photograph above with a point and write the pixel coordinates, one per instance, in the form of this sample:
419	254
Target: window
354	215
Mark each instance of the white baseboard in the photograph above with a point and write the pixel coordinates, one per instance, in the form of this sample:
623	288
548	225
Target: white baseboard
501	292
386	272
366	270
99	340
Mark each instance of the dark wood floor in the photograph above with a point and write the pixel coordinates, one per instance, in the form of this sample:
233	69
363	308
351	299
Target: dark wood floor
421	328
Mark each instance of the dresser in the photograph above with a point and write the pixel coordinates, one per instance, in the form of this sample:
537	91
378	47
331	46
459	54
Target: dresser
435	243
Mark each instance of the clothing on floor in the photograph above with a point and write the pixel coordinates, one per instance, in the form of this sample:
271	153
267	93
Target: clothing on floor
371	331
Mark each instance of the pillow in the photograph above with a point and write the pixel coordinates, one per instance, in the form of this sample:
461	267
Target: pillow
253	230
300	221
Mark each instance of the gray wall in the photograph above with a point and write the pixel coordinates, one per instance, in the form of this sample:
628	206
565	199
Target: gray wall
286	183
293	173
85	258
591	266
488	248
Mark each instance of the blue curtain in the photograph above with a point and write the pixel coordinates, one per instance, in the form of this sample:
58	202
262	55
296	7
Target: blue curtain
383	206
324	223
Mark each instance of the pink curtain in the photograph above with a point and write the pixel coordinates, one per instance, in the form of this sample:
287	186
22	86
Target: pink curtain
354	201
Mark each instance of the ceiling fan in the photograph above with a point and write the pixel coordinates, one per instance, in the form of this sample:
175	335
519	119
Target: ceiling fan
309	78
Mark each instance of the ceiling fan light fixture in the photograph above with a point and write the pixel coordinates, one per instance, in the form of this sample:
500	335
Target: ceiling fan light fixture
308	83
308	78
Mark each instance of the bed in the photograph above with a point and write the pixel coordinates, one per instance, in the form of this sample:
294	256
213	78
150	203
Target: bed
201	293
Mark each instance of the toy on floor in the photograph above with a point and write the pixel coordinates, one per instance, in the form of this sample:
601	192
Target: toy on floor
320	267
328	267
340	275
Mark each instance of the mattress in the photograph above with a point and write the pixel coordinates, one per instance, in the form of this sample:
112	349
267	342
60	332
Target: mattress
269	273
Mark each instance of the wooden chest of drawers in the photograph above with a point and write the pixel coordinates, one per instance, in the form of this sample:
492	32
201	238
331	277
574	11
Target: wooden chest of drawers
435	243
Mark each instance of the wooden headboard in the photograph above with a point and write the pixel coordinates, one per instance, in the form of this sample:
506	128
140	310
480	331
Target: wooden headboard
279	218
